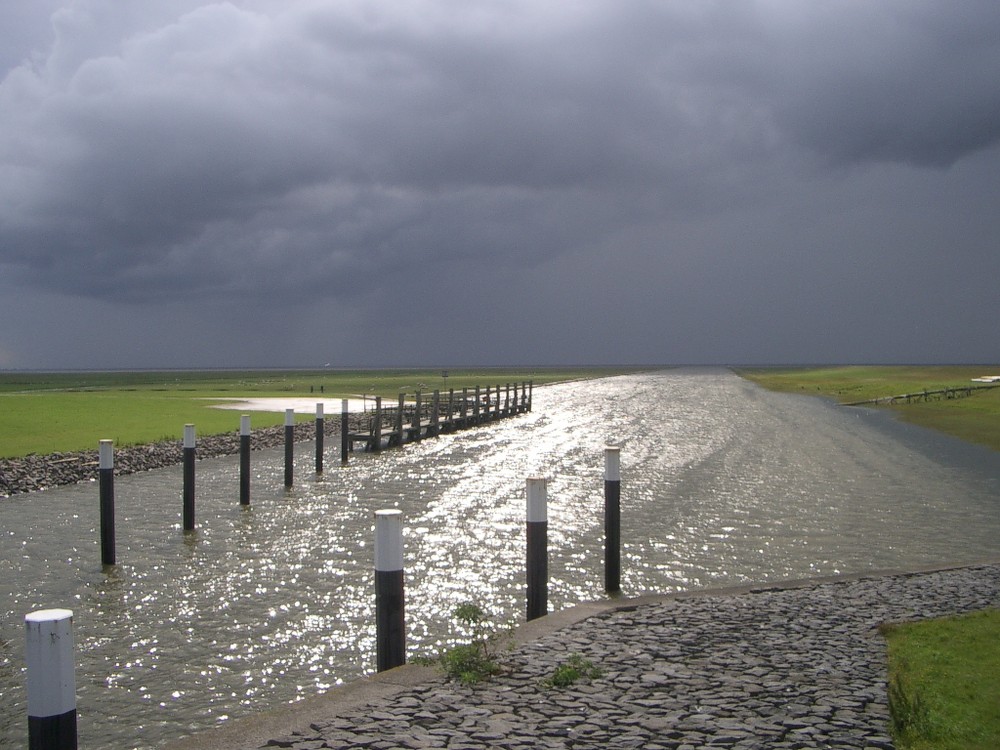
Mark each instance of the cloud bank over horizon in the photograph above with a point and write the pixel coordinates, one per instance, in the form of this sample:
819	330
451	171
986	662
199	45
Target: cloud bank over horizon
193	183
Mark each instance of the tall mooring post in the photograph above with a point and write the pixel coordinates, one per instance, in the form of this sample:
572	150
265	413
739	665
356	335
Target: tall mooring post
188	494
320	433
106	479
390	630
537	548
245	459
51	676
289	446
612	520
344	435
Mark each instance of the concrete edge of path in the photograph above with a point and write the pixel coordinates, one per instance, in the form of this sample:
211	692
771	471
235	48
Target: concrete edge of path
257	729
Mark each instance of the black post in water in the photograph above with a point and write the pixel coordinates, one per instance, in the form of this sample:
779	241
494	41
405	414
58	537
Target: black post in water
320	428
245	459
189	456
289	445
612	520
538	553
344	441
390	631
51	680
106	477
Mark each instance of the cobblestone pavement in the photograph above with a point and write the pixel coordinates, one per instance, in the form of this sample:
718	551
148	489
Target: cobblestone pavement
772	668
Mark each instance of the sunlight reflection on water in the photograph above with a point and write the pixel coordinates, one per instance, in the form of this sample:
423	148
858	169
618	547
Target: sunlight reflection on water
722	483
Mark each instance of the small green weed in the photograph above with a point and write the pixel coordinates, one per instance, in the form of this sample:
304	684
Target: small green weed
575	668
478	660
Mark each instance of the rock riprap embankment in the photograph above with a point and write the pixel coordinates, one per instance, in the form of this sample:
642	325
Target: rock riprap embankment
784	668
37	472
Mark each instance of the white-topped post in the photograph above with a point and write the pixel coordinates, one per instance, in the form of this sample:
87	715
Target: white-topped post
390	636
289	445
537	548
320	429
106	479
51	680
612	519
344	428
245	459
189	458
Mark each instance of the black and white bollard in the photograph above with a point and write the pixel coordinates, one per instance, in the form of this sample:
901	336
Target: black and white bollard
189	456
612	520
289	445
106	477
538	554
344	427
245	459
320	427
51	680
390	632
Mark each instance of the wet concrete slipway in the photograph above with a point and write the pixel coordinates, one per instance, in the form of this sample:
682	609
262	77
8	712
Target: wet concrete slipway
723	484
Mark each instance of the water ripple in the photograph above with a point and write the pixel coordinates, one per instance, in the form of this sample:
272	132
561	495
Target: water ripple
722	483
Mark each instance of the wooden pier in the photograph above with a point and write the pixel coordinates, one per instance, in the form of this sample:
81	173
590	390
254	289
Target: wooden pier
936	395
410	421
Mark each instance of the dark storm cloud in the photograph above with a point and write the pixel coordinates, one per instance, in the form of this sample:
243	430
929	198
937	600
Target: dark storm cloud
910	82
302	150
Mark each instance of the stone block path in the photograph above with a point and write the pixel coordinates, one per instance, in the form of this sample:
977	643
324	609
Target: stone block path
798	666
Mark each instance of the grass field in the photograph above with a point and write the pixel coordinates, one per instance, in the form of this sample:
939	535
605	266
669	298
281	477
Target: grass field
944	682
66	411
975	419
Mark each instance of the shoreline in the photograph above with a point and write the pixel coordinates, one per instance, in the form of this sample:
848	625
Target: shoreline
34	472
794	664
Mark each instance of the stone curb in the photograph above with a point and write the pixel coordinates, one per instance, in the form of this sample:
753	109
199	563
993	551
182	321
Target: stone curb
256	730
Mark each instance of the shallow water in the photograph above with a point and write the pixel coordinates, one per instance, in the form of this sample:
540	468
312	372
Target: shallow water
722	483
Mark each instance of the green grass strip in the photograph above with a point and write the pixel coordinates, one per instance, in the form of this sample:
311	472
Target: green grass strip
944	682
975	419
68	411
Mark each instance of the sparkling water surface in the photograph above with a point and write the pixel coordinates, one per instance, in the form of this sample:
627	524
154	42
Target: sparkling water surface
722	483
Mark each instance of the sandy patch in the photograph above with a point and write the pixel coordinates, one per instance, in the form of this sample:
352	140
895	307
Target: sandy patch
300	405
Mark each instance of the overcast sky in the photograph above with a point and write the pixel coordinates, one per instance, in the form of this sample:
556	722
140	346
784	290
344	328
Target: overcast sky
292	183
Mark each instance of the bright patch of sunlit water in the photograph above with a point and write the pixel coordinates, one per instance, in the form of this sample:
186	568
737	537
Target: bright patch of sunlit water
722	483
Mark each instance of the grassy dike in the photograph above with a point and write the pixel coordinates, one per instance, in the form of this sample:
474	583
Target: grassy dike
944	675
975	419
944	682
68	411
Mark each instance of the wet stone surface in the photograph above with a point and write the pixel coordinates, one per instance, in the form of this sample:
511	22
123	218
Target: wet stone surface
795	668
